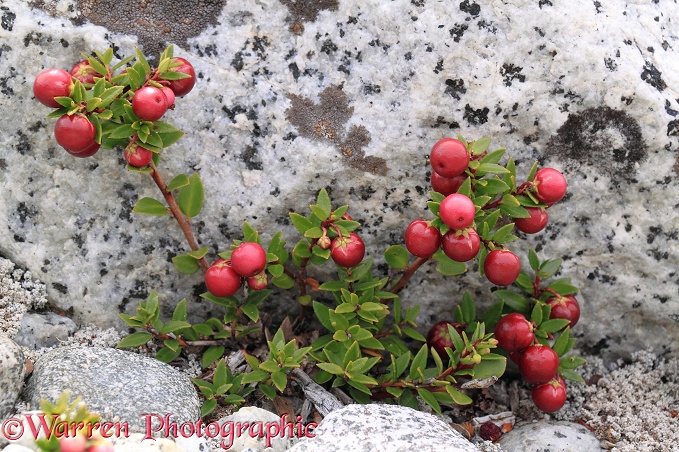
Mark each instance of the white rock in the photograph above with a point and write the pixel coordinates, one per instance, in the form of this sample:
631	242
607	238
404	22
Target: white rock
12	367
257	426
40	330
383	428
550	436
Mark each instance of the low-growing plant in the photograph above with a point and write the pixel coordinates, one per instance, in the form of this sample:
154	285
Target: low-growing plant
367	342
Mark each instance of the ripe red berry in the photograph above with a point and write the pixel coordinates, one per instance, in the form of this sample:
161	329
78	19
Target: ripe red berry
149	103
101	447
221	280
535	223
449	157
137	155
183	86
502	267
565	307
551	396
439	338
550	185
513	332
446	185
489	431
258	282
347	251
52	83
84	72
87	152
461	245
248	259
538	364
422	239
74	133
77	443
169	96
457	211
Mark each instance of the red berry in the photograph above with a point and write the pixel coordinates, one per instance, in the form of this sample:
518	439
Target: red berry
449	157
101	447
183	86
347	251
248	259
169	96
77	443
149	103
87	152
84	72
513	332
439	338
551	396
137	155
565	307
74	133
461	245
221	280
489	431
52	83
422	239
457	211
535	223
446	185
258	282
502	267
550	185
538	364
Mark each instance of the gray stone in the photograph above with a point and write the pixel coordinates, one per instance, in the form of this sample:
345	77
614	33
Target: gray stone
12	367
249	416
19	292
383	428
120	386
38	330
586	87
546	436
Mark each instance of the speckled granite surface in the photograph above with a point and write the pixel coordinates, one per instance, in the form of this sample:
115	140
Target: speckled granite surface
294	96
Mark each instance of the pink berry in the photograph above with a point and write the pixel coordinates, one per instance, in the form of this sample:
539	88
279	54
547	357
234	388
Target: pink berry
461	245
422	239
538	364
439	338
457	211
248	259
221	280
446	185
182	87
84	72
347	252
137	155
258	282
449	157
149	103
52	83
564	307
550	185
74	133
87	152
76	443
551	396
514	333
502	267
169	96
535	223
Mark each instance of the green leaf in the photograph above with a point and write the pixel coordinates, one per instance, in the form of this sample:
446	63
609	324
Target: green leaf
514	211
331	368
549	268
323	201
280	380
513	300
333	286
300	222
208	407
429	399
142	60
533	259
414	334
180	311
167	355
447	266
174	325
561	345
191	197
109	95
268	391
185	264
490	168
468	308
536	314
478	147
284	282
123	131
570	374
251	311
503	233
418	364
173	75
571	362
397	257
562	287
254	376
491	364
554	325
135	340
458	397
211	355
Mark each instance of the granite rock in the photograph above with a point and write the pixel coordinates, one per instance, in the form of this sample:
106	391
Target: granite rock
38	330
250	415
120	386
341	94
550	436
381	428
19	293
12	367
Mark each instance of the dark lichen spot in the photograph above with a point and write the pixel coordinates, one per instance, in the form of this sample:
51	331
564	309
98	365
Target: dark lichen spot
455	87
60	287
652	76
7	20
473	9
511	73
156	22
326	121
251	159
604	138
475	117
458	31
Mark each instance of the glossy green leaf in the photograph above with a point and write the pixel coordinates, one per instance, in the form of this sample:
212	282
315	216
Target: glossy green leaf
429	399
191	197
135	340
397	257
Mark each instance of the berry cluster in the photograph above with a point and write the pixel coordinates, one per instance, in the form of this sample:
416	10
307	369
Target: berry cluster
225	276
94	104
450	160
